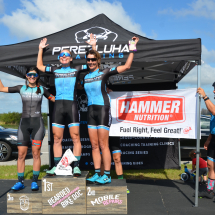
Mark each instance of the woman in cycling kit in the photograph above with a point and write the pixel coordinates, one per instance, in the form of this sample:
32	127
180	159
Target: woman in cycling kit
31	127
65	108
99	115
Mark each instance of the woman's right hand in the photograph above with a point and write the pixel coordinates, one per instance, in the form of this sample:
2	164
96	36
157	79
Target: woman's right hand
206	144
43	44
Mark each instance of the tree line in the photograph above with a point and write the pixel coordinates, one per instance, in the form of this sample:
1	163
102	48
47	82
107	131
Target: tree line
14	118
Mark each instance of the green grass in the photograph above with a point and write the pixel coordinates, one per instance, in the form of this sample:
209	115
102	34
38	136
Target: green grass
10	172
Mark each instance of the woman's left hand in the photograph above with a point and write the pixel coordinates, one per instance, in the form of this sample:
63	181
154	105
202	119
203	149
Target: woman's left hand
136	39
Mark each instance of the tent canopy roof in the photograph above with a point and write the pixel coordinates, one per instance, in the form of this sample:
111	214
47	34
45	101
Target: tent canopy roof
155	60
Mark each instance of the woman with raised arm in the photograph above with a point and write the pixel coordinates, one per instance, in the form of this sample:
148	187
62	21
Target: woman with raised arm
99	115
66	79
31	127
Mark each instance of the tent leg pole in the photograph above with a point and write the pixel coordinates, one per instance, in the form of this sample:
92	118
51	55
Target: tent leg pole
198	135
179	152
49	138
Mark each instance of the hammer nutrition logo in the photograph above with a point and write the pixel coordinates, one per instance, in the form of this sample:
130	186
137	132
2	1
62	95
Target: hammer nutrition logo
151	109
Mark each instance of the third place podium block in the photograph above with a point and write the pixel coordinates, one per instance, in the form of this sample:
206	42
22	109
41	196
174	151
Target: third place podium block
64	194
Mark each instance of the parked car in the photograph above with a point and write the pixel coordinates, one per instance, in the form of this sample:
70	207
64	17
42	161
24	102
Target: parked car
8	143
188	144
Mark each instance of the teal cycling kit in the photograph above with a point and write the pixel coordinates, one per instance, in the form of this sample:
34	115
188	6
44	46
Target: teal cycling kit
65	108
99	115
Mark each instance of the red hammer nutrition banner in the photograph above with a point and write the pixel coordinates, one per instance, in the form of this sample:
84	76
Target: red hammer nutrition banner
170	113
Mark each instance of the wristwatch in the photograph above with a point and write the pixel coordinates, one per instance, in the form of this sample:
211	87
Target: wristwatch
205	99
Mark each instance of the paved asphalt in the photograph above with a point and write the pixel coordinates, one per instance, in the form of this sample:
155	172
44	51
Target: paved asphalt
29	158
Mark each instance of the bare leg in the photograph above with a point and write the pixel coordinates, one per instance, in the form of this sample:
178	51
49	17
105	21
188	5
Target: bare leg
103	138
22	152
36	158
58	136
75	135
93	134
211	168
118	164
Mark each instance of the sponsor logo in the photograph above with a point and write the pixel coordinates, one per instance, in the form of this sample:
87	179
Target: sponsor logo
117	78
107	199
64	75
82	104
186	130
24	203
100	33
47	185
151	109
90	192
10	198
65	197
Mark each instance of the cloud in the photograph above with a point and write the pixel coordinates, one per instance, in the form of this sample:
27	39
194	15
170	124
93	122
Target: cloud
208	56
1	7
207	71
200	8
38	18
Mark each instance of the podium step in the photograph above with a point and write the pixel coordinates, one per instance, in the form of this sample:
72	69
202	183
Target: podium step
107	199
24	201
64	194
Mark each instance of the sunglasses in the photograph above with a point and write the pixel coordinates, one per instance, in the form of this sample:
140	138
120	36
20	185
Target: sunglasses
34	74
64	53
91	59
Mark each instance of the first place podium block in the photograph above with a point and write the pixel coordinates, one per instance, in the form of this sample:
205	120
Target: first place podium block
24	201
107	199
64	194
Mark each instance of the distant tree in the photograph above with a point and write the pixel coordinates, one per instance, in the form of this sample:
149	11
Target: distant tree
11	117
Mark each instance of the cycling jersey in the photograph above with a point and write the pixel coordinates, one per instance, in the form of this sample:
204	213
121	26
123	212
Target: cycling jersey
66	79
95	86
31	102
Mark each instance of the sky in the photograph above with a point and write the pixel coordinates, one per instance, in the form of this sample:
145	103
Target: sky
22	20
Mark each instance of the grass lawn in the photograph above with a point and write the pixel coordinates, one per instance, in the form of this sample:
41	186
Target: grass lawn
10	172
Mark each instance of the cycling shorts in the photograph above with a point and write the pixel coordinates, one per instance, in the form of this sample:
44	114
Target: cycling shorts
203	171
114	145
65	112
31	130
211	149
99	117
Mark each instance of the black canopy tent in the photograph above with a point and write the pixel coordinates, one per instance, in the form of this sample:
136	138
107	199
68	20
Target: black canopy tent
157	61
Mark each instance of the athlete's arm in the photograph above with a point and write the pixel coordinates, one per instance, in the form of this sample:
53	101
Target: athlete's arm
207	142
3	88
129	61
193	168
48	95
42	45
210	106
